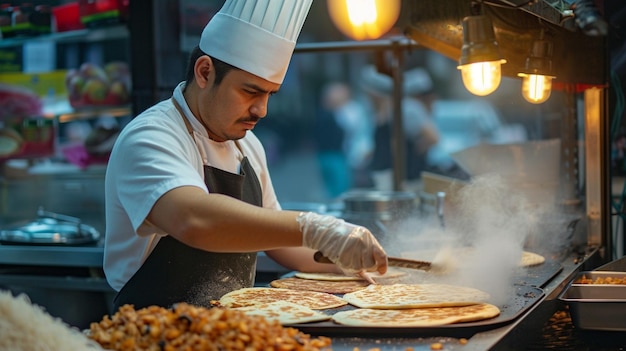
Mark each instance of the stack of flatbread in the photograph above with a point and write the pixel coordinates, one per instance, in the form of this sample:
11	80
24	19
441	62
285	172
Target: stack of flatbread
288	306
392	305
334	283
300	298
415	305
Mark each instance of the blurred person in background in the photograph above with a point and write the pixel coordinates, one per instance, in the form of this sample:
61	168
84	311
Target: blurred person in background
465	123
343	134
420	132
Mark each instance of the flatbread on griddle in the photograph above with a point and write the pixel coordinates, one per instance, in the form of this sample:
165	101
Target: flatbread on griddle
391	274
327	286
253	296
402	296
415	317
530	259
527	259
285	312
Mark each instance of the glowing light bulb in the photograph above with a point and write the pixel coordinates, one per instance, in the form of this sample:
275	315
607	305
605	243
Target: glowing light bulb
537	75
480	59
481	78
361	12
364	19
536	88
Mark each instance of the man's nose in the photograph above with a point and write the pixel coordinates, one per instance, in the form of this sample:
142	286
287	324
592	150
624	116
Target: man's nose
259	108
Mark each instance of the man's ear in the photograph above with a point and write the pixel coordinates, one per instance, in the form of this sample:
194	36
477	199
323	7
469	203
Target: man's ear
202	70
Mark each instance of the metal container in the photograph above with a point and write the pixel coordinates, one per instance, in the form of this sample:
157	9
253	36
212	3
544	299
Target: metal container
597	306
50	229
615	279
54	260
379	211
384	204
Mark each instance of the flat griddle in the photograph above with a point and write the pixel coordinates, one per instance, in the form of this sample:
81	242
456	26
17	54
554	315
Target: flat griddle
527	281
524	298
538	275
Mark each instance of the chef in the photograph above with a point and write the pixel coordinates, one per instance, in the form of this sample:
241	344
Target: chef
189	199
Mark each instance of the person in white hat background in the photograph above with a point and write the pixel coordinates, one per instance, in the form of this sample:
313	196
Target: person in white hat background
420	131
189	199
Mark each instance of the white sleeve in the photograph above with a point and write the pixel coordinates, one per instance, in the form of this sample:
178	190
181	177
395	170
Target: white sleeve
150	159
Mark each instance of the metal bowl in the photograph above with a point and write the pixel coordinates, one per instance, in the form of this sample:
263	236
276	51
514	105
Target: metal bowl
49	231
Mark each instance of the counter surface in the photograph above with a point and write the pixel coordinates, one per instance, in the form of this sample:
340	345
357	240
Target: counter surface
77	267
83	256
66	256
510	336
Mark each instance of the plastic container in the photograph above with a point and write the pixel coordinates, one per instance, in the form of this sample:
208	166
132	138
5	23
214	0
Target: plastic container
67	17
6	26
29	20
32	138
96	13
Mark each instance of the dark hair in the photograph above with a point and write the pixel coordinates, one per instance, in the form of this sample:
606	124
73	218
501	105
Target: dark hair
221	67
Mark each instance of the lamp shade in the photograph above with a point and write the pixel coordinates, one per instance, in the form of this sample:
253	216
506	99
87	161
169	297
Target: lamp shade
479	41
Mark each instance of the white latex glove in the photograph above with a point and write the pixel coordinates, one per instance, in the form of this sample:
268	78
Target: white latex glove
352	248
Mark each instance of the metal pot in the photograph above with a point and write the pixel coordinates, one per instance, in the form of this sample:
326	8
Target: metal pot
378	210
50	229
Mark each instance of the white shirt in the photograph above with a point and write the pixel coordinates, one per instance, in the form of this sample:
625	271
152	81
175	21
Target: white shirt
154	154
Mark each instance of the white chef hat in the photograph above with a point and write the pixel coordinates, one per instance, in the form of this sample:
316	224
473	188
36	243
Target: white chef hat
256	36
417	81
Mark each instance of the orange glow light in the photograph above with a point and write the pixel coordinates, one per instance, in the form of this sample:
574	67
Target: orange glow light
364	19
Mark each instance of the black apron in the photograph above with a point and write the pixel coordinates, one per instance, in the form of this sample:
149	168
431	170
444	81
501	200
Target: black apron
175	272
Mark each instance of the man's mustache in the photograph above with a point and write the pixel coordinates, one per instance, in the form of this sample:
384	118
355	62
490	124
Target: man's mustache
250	119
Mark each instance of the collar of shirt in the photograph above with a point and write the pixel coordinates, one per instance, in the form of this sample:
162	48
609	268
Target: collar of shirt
224	155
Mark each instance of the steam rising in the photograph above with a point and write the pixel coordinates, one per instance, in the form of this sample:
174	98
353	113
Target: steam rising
482	243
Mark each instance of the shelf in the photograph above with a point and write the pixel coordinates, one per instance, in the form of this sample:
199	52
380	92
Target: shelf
65	256
119	31
88	113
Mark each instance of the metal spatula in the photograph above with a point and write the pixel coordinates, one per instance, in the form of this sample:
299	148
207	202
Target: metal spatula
392	261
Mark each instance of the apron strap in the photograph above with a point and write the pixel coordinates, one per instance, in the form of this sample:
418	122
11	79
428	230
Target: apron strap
188	125
180	110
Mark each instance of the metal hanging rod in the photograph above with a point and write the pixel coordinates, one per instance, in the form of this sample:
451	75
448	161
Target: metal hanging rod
366	45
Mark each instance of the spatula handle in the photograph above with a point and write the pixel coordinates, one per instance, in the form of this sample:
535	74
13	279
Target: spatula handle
320	258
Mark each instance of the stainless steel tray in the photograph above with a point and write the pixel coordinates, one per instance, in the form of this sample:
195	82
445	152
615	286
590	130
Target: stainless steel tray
602	276
597	306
